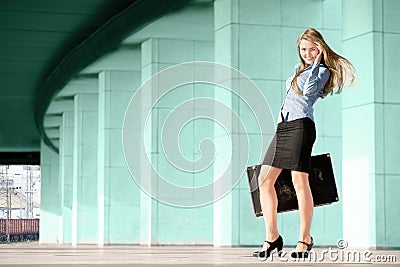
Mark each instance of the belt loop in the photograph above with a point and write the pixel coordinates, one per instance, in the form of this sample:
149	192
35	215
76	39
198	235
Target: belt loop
283	119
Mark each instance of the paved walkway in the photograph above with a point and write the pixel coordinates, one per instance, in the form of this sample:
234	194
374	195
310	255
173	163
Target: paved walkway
33	254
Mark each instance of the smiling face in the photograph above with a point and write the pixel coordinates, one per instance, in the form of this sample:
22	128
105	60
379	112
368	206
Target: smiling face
308	51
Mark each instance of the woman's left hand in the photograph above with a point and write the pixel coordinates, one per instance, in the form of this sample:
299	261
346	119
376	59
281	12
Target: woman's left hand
317	59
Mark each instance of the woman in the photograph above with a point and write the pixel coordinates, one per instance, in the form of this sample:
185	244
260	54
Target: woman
320	72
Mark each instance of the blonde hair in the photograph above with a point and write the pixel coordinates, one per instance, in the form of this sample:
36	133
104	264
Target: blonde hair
341	70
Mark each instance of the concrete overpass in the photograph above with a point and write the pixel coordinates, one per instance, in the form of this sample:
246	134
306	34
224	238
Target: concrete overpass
69	70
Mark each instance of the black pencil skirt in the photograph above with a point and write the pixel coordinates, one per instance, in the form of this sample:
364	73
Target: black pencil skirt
291	145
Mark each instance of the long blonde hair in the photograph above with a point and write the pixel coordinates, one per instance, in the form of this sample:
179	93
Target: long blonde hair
341	70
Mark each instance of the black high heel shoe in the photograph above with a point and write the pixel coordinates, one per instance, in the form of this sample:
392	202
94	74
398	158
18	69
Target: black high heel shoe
264	254
303	254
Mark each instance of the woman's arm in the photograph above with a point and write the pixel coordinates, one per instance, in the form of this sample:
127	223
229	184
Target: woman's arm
317	79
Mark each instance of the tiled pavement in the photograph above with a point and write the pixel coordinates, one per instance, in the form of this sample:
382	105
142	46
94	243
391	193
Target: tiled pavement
34	254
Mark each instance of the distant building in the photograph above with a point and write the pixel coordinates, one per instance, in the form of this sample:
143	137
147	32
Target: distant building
19	191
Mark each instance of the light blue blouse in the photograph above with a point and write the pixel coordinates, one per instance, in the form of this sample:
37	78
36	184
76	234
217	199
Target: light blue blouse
311	83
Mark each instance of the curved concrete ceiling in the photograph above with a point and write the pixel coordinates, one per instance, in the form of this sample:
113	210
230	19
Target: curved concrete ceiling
43	43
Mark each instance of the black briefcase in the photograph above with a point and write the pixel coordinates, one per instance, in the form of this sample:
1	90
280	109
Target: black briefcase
322	184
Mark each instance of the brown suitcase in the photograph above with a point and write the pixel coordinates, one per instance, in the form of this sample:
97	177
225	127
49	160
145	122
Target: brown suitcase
322	184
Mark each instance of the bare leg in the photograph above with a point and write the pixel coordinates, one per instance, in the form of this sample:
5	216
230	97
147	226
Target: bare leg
306	207
269	201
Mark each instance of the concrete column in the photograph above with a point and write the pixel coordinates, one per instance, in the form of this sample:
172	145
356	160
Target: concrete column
84	177
52	181
118	194
64	104
371	177
66	171
161	223
242	30
50	209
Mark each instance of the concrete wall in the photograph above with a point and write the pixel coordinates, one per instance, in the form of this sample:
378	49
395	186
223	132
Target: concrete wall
101	200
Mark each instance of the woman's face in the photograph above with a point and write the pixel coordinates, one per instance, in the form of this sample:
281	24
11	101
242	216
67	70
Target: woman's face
308	51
